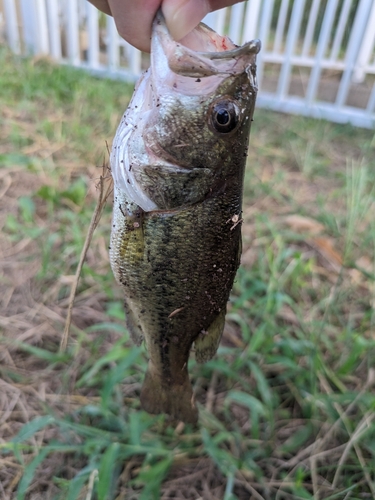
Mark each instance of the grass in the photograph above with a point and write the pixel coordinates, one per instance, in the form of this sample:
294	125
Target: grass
286	407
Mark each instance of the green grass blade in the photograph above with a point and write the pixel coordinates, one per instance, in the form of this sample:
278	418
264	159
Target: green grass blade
152	477
107	470
29	472
29	429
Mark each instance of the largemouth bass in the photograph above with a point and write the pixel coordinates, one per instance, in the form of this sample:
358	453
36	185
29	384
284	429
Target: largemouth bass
178	161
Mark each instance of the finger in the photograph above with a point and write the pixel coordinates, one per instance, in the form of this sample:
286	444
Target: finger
220	4
182	16
134	20
101	5
134	17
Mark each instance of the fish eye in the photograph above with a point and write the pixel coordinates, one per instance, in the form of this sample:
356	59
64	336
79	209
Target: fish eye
225	116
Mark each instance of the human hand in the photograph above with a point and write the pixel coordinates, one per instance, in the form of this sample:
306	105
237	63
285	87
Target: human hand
134	17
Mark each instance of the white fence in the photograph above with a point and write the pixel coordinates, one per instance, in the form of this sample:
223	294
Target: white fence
317	58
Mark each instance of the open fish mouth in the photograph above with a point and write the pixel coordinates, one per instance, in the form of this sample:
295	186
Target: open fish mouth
202	53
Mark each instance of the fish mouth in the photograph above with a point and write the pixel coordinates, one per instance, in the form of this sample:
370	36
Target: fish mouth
202	53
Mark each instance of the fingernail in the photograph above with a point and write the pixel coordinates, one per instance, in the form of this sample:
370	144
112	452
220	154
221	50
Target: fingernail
184	15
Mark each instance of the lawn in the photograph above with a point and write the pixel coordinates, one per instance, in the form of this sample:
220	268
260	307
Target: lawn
287	406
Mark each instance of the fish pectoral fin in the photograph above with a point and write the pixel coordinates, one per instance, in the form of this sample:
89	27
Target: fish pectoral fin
208	342
173	398
176	187
135	330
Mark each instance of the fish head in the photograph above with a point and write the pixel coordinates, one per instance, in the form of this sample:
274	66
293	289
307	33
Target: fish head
186	130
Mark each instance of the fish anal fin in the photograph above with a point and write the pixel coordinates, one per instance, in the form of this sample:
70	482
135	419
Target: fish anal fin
208	341
135	330
173	399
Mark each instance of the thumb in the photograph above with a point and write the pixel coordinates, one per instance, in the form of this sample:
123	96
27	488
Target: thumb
182	16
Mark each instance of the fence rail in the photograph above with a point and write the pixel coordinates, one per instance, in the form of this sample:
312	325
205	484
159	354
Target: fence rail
318	56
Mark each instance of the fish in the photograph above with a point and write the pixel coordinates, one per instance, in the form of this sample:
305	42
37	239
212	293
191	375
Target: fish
178	160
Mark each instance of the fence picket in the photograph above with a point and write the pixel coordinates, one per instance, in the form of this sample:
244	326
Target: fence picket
354	44
72	32
54	28
28	25
371	102
265	22
329	16
134	60
313	16
93	39
285	74
112	44
11	26
340	30
280	25
220	20
236	21
251	20
41	25
366	49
